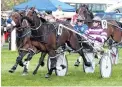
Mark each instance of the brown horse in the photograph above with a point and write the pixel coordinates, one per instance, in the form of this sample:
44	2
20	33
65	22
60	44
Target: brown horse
83	10
23	41
46	39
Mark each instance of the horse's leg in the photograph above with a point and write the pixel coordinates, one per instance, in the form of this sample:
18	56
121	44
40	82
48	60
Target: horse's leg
22	53
79	58
26	62
77	62
26	65
41	62
53	61
76	46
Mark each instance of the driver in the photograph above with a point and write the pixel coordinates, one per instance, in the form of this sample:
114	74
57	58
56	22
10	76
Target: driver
80	26
96	34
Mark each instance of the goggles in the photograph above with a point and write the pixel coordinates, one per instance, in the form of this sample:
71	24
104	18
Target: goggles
96	21
80	20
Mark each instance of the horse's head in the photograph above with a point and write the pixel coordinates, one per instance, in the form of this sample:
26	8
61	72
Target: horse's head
84	11
16	19
33	18
27	20
30	14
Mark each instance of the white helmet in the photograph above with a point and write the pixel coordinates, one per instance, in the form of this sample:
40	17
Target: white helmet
97	18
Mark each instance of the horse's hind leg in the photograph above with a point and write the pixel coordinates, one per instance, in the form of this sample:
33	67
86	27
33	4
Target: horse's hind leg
26	62
84	59
76	46
18	60
77	62
53	61
41	62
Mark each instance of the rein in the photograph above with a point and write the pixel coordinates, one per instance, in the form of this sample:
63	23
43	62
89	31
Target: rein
45	33
37	27
30	21
89	42
24	34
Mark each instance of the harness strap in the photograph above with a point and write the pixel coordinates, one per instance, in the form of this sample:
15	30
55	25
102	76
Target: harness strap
89	42
37	27
25	34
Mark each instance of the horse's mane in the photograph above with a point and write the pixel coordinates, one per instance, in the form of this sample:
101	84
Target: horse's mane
119	23
114	23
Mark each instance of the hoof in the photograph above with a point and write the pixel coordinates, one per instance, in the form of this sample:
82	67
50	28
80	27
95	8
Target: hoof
11	71
21	64
42	63
88	64
47	76
34	73
77	64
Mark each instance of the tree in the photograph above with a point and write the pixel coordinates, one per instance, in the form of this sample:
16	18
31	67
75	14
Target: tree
8	4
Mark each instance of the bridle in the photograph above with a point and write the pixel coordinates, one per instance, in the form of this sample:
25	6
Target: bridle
33	27
19	25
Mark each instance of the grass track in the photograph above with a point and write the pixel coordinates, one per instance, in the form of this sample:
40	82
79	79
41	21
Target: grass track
74	77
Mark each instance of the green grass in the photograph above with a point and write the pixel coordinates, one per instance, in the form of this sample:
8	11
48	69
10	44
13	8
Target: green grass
74	77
